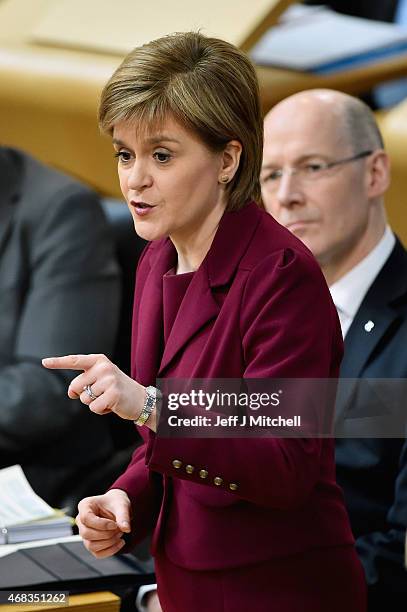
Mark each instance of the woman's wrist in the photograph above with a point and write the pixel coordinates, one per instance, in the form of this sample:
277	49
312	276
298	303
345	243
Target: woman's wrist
148	413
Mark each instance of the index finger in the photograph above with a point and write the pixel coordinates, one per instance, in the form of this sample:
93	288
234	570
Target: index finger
70	362
89	519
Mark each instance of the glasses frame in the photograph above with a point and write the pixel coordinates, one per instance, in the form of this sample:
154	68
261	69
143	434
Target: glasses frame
327	165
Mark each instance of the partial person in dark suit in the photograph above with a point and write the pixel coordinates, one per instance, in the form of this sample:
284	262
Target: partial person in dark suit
59	292
324	177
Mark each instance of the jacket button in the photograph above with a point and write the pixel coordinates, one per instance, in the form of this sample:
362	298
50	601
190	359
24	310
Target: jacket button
233	486
218	481
203	474
189	469
177	464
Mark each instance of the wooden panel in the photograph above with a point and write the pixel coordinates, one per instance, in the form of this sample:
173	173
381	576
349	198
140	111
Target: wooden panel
102	601
119	27
394	129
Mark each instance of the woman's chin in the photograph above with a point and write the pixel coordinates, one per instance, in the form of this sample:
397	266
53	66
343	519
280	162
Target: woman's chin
148	233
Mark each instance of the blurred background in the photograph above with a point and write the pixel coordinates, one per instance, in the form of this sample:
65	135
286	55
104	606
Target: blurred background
55	56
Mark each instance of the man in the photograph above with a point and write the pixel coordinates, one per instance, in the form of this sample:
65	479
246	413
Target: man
324	177
59	293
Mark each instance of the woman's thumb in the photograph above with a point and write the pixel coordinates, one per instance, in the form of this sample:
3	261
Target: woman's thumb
123	519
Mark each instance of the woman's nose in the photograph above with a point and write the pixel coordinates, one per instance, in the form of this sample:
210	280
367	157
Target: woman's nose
139	177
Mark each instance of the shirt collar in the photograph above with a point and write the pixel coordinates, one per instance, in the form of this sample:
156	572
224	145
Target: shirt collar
348	292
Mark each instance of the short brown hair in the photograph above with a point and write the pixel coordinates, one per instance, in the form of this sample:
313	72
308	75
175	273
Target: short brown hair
209	87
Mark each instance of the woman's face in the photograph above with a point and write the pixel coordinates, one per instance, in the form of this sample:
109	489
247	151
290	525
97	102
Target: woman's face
170	181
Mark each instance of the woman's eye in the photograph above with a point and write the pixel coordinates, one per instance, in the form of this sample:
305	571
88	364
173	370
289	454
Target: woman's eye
161	157
123	156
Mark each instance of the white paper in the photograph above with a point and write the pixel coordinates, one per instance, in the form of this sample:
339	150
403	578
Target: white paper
18	502
7	549
310	36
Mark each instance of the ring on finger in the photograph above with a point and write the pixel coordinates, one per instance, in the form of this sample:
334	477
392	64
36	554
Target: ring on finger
88	389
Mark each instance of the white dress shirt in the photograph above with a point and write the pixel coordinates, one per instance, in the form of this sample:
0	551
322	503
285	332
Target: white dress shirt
348	292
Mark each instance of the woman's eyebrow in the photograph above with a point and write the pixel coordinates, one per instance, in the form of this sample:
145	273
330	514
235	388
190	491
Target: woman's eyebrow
153	140
161	138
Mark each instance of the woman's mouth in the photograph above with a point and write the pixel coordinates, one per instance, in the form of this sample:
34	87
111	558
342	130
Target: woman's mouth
142	208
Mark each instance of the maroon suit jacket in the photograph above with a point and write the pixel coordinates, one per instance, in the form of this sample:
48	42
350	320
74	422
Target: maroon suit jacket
258	307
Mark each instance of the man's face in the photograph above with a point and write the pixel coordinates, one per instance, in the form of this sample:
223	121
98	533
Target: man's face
328	210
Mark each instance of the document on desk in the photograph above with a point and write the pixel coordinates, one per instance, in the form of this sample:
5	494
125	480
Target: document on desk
18	502
24	516
319	40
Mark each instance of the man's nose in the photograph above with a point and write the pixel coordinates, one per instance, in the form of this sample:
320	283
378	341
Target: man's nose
289	192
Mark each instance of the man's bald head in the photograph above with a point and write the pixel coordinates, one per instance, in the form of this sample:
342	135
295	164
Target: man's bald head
352	120
324	175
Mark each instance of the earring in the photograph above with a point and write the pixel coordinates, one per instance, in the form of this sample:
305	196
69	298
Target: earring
224	178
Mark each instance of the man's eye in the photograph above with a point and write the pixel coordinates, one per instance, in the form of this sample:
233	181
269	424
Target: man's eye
274	175
162	157
312	168
123	156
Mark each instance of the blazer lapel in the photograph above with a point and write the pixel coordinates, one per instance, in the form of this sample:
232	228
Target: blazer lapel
377	313
8	194
148	315
197	308
6	215
199	305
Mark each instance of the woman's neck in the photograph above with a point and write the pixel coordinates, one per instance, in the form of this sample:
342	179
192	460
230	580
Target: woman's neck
192	249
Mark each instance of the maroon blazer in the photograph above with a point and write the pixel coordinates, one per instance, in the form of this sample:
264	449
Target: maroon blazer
258	307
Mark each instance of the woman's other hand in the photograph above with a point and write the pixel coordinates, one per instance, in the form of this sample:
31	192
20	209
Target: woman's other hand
102	520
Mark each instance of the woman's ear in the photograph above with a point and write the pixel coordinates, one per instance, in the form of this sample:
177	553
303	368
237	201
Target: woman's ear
230	161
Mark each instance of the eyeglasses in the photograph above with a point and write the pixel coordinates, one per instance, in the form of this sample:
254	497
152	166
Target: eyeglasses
308	171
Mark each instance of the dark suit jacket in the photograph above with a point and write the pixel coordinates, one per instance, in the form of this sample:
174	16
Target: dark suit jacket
378	10
373	472
59	294
258	307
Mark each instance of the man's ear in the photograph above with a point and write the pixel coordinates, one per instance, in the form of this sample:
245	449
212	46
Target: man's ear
378	177
230	161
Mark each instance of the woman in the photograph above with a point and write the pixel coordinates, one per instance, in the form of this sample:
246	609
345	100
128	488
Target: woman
222	291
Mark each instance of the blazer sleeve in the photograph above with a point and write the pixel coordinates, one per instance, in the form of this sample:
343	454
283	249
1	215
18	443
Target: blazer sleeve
382	552
288	328
69	304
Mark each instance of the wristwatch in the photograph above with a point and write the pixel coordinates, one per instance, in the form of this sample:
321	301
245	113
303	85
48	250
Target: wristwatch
152	396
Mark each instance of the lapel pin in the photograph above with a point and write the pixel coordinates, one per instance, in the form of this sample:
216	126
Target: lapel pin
369	326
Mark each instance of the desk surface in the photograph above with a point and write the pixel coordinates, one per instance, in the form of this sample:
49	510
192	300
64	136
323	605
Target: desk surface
276	84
